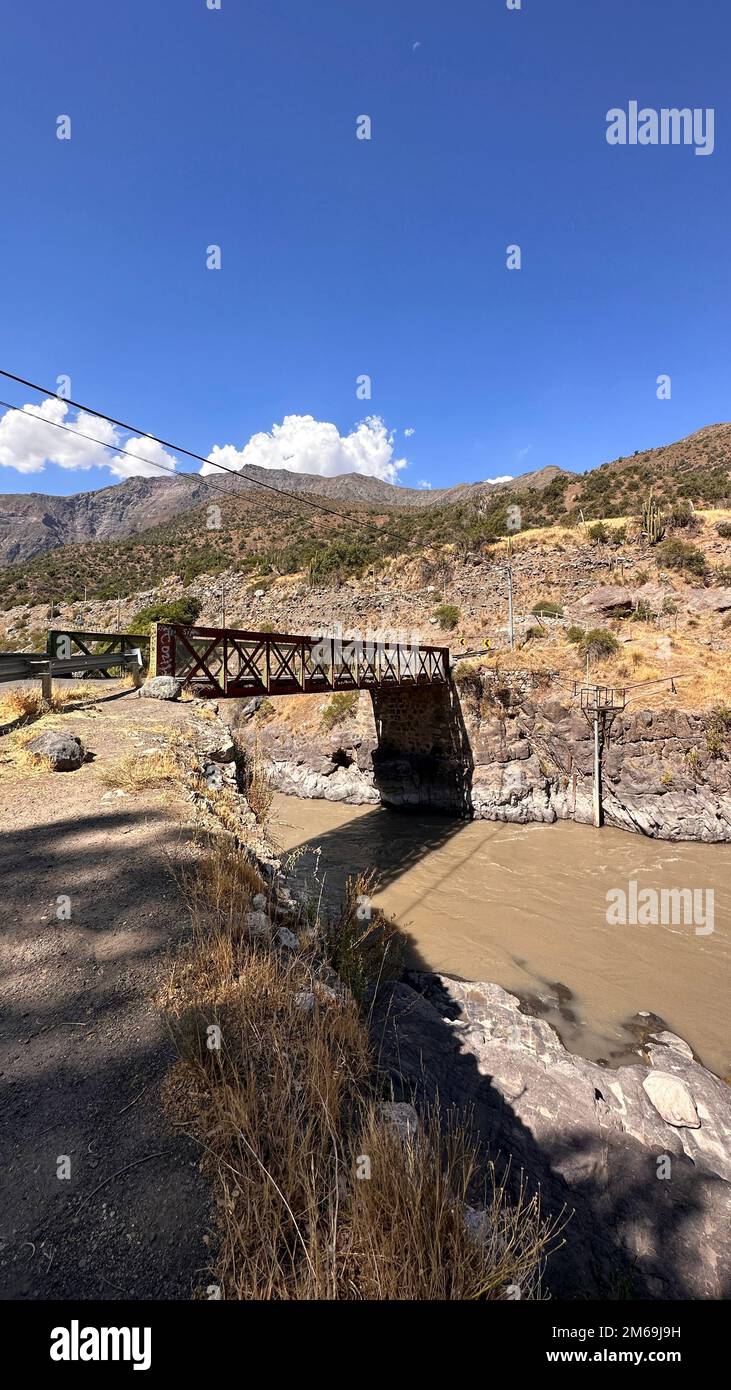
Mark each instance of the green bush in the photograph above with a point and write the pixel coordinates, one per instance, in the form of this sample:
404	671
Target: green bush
180	610
682	516
642	612
598	532
362	944
684	556
448	615
545	609
342	704
575	634
723	528
598	642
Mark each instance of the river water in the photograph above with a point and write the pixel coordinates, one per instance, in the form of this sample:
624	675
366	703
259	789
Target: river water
526	907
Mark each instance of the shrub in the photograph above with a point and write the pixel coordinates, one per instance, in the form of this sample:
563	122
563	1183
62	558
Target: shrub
682	517
253	780
448	615
598	532
340	706
361	943
723	528
684	556
574	633
546	609
598	642
467	678
180	610
722	576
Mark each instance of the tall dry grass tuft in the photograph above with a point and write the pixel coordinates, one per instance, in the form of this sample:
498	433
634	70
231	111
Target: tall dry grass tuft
361	943
407	1224
25	702
254	779
284	1110
134	773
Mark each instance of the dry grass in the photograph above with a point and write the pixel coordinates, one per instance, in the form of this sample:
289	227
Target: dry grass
286	1114
135	773
27	702
702	671
16	756
362	944
254	779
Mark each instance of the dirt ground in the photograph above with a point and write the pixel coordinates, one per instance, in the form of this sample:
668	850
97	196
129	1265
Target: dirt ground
101	1198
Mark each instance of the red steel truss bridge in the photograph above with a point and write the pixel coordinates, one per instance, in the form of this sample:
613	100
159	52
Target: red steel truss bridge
225	661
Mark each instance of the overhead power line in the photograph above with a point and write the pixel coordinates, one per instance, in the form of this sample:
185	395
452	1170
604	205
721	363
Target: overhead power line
166	444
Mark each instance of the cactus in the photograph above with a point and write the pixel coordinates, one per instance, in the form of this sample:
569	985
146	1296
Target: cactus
652	523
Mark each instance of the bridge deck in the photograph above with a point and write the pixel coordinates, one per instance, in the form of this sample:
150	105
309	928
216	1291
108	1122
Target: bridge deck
231	662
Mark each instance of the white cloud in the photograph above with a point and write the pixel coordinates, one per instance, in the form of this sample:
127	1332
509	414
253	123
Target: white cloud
147	453
29	439
409	432
423	483
506	478
305	445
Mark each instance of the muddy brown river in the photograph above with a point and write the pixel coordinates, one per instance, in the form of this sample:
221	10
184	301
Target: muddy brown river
528	907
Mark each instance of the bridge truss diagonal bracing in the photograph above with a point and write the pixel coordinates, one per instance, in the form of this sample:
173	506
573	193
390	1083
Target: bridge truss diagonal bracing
225	662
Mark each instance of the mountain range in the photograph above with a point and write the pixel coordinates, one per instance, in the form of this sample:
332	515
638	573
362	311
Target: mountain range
144	528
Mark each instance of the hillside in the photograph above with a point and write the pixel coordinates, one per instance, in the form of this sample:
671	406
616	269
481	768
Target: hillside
32	523
134	535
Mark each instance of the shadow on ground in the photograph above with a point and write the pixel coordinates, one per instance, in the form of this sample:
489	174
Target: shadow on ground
84	1053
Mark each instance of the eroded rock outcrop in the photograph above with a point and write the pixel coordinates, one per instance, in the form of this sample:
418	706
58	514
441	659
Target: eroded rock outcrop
527	757
648	1188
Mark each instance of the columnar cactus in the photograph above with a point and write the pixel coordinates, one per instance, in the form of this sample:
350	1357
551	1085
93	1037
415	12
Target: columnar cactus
652	523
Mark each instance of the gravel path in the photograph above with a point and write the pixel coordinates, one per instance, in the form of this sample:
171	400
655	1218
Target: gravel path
82	1049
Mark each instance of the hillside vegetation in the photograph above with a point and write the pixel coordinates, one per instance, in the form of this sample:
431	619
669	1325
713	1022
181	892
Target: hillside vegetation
263	534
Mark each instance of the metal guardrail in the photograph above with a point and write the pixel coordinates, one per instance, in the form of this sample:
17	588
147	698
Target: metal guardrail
70	654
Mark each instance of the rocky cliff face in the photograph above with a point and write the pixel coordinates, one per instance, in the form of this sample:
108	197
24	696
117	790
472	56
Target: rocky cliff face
665	773
31	523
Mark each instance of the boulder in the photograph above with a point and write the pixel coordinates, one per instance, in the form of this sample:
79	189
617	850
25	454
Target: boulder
161	688
672	1099
66	752
257	925
287	939
710	600
610	600
400	1119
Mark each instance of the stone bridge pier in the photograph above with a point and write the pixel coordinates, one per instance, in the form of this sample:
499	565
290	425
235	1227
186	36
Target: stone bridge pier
423	759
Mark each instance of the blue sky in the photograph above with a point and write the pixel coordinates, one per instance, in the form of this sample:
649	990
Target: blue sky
342	257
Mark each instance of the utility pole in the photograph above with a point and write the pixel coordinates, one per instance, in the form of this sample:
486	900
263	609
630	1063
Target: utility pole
597	773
